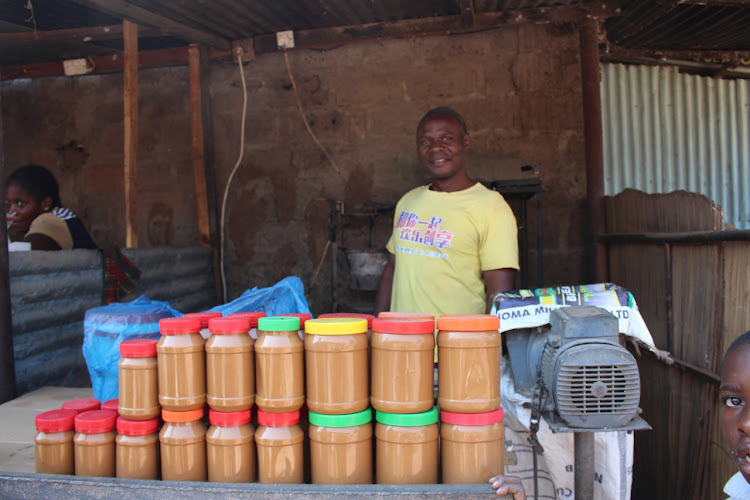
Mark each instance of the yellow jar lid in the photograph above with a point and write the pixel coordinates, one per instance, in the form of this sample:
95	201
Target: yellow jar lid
336	326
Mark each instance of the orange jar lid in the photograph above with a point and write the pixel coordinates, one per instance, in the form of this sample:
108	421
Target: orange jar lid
468	322
182	416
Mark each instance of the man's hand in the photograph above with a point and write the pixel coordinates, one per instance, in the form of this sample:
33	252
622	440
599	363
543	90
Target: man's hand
509	485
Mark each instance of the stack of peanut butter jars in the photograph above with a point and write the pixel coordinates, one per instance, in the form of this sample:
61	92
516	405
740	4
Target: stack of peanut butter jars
186	403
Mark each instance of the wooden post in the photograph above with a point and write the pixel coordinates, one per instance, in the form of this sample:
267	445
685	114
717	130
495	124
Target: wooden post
592	127
130	112
199	163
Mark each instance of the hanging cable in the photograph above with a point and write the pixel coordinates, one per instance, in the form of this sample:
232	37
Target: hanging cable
231	176
302	113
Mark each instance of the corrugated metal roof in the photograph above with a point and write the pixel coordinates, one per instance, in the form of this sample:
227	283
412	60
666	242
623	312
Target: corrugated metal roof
664	131
640	24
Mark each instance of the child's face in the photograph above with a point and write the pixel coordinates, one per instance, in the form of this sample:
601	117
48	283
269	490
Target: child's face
734	394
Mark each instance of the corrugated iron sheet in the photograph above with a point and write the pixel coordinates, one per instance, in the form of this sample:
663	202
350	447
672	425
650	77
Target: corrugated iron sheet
51	291
665	131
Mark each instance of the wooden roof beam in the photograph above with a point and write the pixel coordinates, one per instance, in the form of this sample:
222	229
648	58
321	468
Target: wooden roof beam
467	12
87	34
140	16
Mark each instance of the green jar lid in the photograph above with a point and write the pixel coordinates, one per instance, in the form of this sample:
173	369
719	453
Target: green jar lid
278	324
428	417
350	420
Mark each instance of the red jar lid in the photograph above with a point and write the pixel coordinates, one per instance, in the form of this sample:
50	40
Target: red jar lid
403	325
81	405
112	405
137	427
468	322
94	422
229	325
179	326
204	317
302	318
138	348
251	315
368	317
228	419
278	419
55	420
489	418
182	416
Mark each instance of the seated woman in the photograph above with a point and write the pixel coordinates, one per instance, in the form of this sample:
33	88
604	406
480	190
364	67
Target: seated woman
32	205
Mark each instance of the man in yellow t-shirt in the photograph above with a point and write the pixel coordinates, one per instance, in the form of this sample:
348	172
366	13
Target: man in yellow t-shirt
454	242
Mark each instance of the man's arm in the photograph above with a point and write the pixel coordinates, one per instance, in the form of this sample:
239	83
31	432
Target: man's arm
383	297
497	280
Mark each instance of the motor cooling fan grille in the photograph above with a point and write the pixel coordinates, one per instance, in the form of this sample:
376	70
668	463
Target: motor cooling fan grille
598	389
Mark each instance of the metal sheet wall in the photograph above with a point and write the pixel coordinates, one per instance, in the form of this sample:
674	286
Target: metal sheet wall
665	131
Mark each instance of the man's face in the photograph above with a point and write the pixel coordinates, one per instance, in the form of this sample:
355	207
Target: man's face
441	145
25	206
734	394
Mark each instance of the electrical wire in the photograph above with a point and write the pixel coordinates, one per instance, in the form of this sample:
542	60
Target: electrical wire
302	113
231	176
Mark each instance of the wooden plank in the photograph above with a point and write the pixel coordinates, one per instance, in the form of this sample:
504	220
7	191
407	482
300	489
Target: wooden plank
130	118
138	15
199	165
177	56
86	34
468	16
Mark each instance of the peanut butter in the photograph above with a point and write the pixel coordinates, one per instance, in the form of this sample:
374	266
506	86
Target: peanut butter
279	365
279	443
138	382
230	365
472	446
181	363
94	443
137	449
402	367
230	448
469	349
182	445
53	444
336	356
406	448
341	448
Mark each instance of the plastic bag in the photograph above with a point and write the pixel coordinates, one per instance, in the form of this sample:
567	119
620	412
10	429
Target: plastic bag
286	296
105	327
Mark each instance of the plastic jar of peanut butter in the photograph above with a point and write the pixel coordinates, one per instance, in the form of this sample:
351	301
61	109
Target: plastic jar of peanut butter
137	449
230	365
469	349
279	443
472	446
402	367
341	448
230	447
279	365
336	358
94	443
181	363
82	404
204	317
406	448
253	316
182	446
53	444
139	393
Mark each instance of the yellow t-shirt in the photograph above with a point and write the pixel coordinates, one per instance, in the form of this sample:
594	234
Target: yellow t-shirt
442	243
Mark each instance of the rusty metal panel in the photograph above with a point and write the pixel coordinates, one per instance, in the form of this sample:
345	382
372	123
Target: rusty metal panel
665	131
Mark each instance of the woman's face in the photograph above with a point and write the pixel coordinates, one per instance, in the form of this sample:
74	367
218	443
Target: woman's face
26	208
735	407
